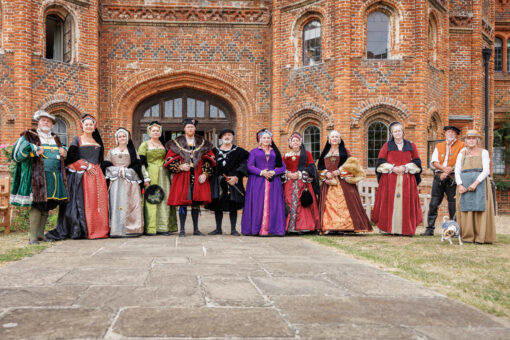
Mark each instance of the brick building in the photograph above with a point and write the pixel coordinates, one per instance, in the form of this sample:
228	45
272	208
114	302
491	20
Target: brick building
305	65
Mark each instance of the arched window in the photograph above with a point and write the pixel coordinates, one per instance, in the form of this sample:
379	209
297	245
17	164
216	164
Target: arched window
432	39
312	140
378	35
498	55
60	129
171	108
376	137
59	38
312	43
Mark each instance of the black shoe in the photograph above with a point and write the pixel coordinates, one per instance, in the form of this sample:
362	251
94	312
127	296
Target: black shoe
33	242
428	232
216	232
198	233
149	234
234	233
164	233
182	233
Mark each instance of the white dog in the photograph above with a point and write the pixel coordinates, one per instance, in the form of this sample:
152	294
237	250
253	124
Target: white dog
450	229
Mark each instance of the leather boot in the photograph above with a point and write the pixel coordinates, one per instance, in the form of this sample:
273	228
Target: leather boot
430	226
194	217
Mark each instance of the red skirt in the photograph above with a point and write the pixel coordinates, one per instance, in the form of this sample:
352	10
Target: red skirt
95	196
300	218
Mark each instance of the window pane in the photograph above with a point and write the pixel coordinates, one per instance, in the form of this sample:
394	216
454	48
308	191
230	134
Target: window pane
377	135
498	55
312	140
169	108
54	37
498	160
191	108
60	129
178	107
200	109
377	35
155	110
213	111
312	43
147	113
222	115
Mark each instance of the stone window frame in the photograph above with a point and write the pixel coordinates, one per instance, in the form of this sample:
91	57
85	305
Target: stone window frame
69	23
434	129
433	28
503	48
394	28
312	61
314	124
297	36
382	116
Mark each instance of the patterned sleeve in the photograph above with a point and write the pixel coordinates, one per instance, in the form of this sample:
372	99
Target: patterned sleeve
23	149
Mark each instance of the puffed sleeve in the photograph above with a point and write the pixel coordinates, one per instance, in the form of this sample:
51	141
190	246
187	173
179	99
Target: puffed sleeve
23	150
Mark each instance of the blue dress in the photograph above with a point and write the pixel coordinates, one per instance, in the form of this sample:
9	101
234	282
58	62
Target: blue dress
264	209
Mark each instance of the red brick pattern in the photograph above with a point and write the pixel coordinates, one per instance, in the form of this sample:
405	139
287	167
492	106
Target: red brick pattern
250	54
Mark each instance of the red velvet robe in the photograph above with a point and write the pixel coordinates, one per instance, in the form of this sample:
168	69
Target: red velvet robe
382	213
181	181
307	217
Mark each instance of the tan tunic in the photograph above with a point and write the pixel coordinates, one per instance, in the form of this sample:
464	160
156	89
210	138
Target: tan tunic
477	226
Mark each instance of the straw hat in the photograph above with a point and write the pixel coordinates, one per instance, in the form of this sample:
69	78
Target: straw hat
472	133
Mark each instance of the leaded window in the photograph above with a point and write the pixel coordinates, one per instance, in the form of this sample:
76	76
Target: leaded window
498	55
60	129
507	55
312	43
378	33
312	140
376	137
499	154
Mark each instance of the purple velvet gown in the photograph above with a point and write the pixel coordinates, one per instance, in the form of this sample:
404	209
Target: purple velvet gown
264	200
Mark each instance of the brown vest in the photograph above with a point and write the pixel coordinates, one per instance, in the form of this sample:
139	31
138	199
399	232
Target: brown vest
454	152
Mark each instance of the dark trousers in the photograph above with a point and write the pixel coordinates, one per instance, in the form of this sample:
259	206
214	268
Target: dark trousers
439	189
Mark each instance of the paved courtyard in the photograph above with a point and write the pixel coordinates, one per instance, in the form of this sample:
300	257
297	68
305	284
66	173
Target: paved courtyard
222	287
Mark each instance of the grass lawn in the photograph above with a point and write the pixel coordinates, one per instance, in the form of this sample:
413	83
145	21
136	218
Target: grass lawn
475	274
14	247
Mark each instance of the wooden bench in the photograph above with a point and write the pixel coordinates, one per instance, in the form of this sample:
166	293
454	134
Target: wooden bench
367	190
5	211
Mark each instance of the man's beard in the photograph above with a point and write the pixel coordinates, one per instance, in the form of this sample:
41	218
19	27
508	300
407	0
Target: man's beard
451	139
45	129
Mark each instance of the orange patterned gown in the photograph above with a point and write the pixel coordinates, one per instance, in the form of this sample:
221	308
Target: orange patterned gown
340	205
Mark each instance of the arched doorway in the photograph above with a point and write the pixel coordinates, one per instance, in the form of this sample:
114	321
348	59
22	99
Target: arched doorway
172	107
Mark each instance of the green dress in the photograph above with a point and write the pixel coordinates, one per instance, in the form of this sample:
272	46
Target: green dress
159	218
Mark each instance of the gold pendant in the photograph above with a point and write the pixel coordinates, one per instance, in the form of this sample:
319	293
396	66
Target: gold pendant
293	158
333	159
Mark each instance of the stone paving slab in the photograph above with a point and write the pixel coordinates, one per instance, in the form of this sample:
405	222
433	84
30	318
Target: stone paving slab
201	323
222	287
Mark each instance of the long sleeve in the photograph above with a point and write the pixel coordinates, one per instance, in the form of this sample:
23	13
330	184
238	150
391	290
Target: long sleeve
435	158
23	149
458	167
486	162
252	169
281	170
